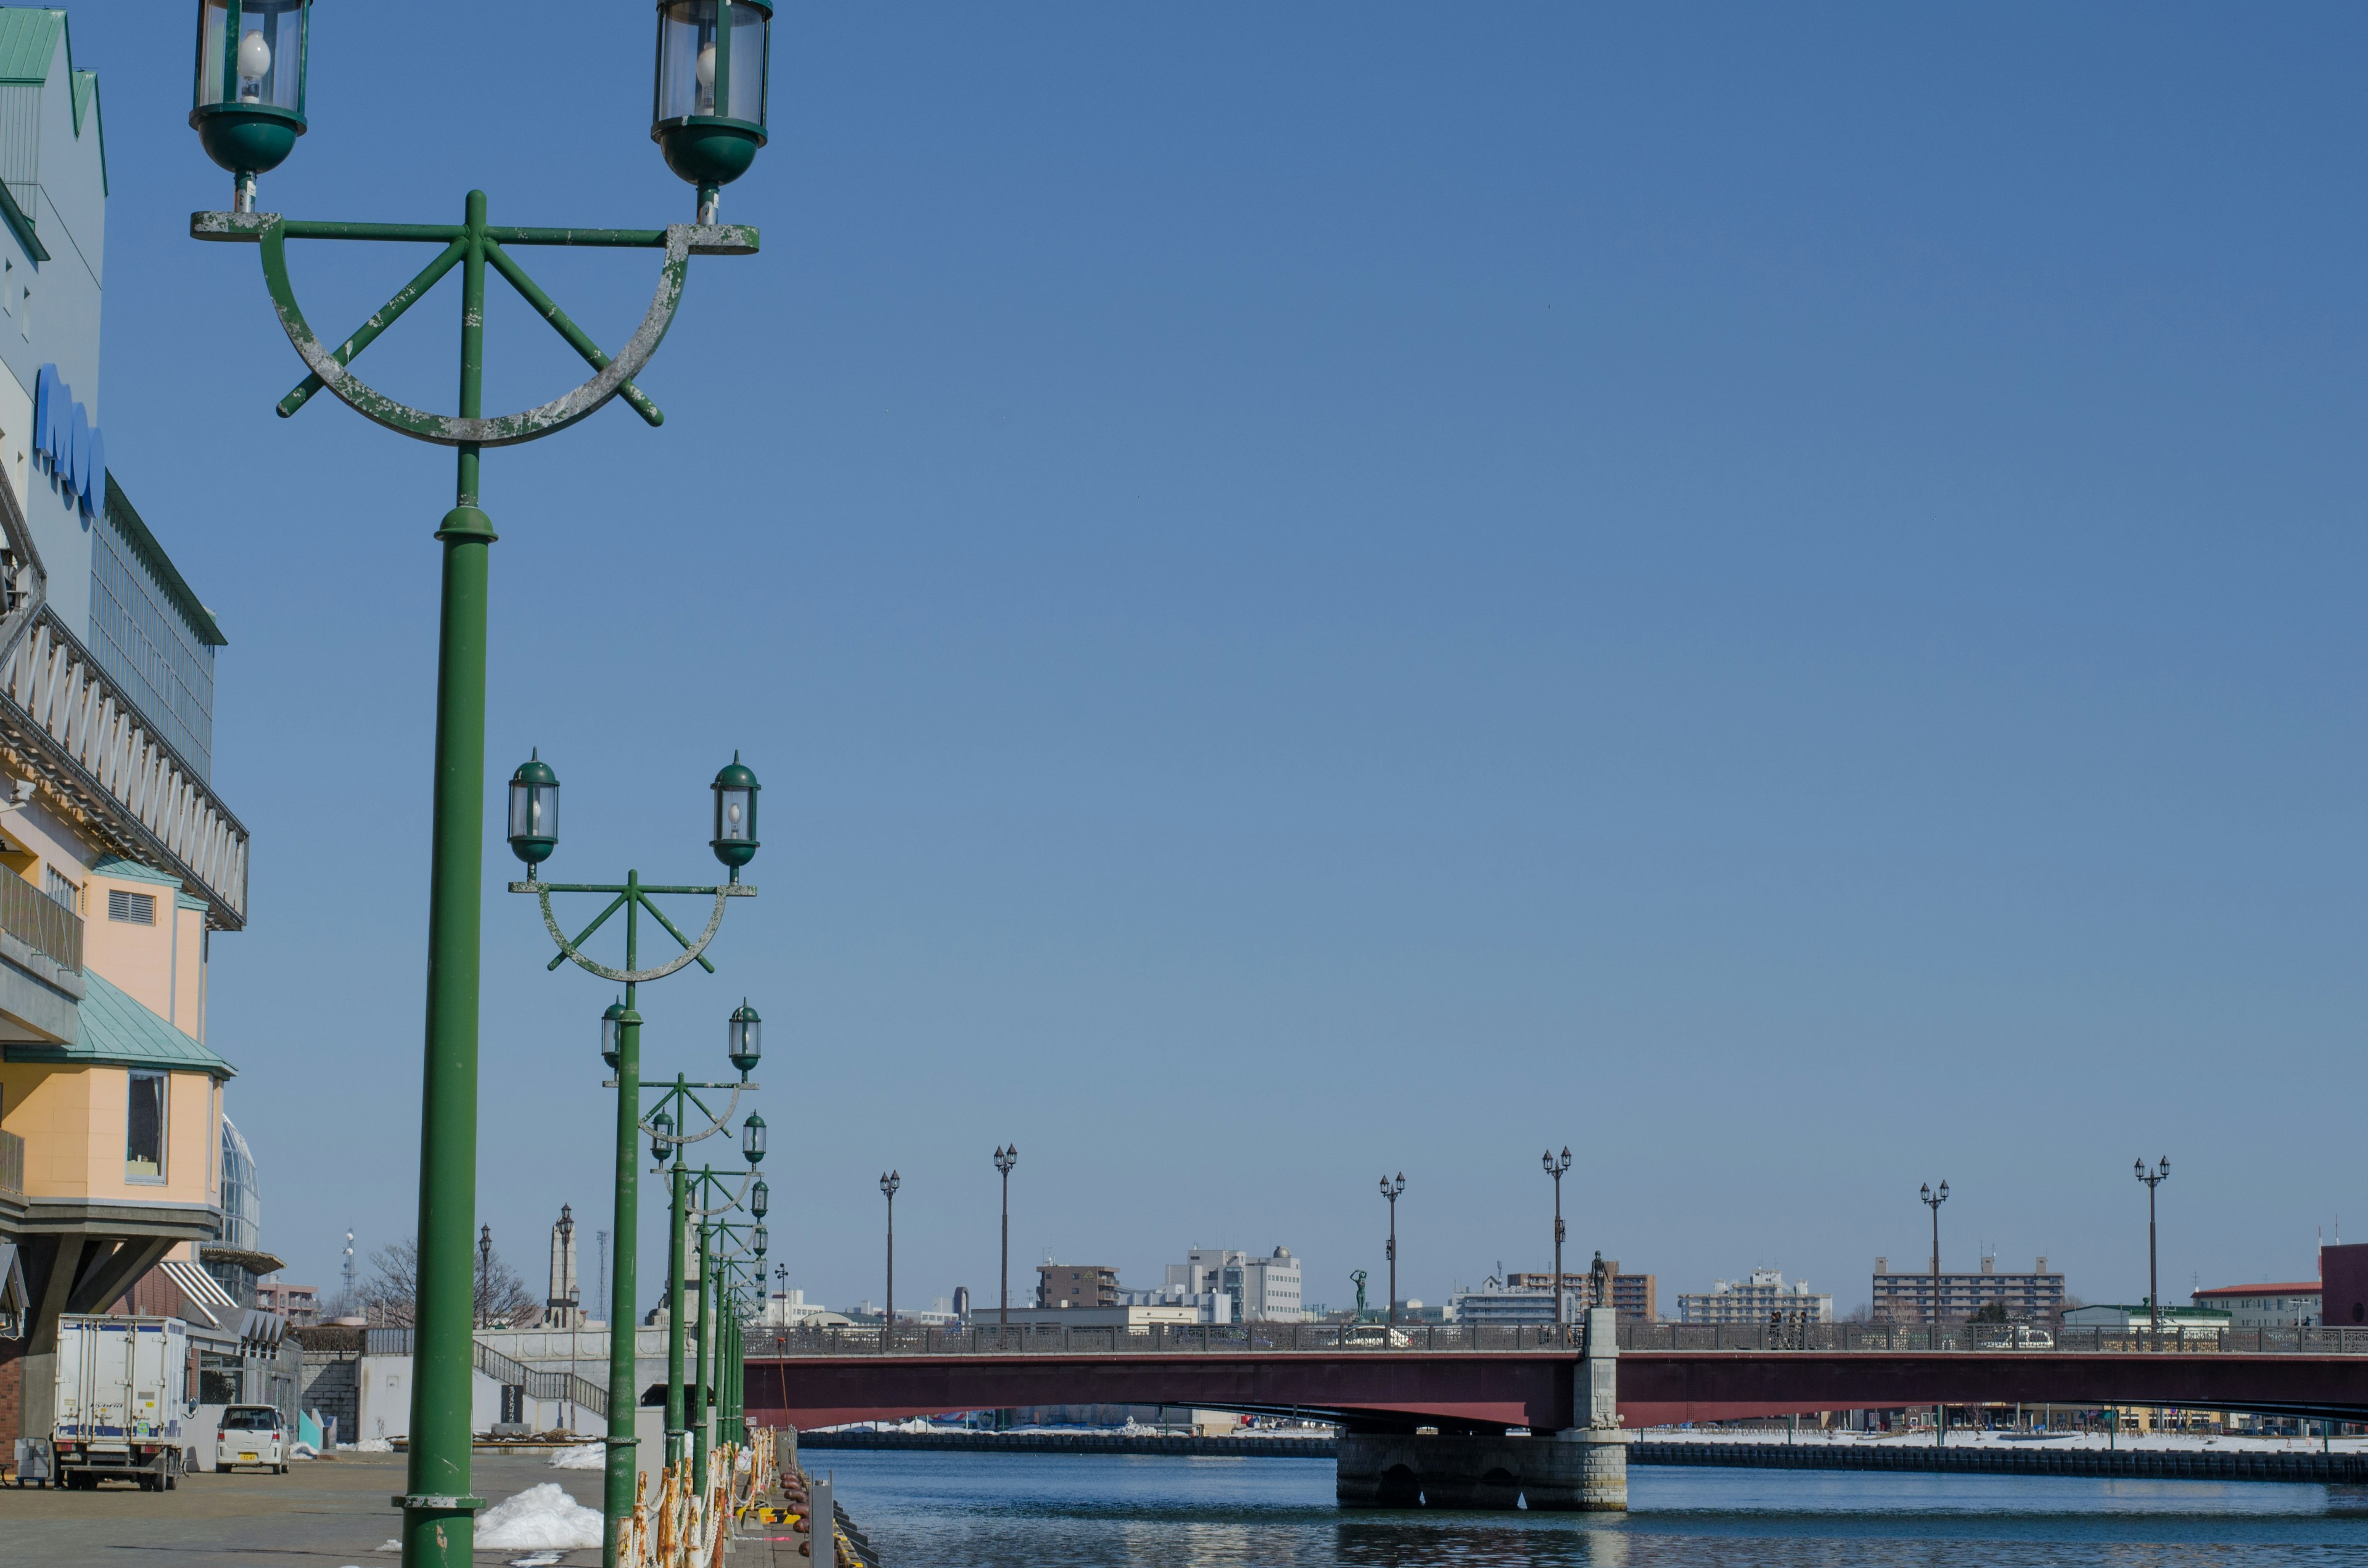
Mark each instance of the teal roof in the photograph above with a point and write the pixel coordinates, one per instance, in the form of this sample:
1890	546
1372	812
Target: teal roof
125	871
30	36
117	1031
29	42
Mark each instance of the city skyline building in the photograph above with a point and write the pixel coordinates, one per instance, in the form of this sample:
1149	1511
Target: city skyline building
1761	1297
1909	1298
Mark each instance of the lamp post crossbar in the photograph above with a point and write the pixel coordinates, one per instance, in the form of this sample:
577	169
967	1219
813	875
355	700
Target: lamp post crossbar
638	895
479	243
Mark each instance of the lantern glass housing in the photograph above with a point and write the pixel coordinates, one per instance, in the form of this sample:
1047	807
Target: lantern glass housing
759	1240
534	811
248	102
743	1038
611	1026
707	109
661	1129
735	790
760	1197
752	1138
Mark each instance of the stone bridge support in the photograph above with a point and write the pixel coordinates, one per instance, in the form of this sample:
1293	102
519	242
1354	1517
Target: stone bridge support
1583	1468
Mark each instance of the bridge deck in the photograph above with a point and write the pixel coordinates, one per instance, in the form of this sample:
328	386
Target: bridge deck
1464	1391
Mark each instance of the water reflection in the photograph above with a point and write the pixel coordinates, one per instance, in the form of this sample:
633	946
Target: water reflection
931	1510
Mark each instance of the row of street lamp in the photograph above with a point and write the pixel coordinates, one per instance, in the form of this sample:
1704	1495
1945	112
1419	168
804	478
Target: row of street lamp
707	116
705	1381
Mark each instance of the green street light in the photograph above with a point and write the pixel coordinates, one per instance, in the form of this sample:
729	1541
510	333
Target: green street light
735	815
757	1239
248	107
611	1020
661	1137
707	111
534	812
760	1197
752	1138
743	1033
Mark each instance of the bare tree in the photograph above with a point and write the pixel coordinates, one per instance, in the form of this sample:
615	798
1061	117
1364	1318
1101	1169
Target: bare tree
391	1298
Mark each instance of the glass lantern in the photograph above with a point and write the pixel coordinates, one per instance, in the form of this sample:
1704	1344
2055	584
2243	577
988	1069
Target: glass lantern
752	1138
735	815
758	1241
248	107
611	1026
707	111
760	1197
661	1132
534	812
744	1037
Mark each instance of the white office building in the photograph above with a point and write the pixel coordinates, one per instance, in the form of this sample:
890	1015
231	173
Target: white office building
1262	1290
1760	1299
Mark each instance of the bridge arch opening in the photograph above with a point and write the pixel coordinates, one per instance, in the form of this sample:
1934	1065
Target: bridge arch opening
1399	1488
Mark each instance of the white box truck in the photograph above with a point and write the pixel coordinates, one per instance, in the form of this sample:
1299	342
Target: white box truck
121	1387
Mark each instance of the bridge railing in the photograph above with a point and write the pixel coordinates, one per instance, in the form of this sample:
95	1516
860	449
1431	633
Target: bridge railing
1332	1339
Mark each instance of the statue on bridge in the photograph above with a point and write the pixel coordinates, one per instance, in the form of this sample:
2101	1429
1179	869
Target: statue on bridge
1600	1277
1359	1275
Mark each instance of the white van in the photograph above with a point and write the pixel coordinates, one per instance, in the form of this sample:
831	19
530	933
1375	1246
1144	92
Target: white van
251	1433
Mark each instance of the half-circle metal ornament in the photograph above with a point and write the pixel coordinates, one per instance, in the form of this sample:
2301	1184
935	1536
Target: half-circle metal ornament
682	242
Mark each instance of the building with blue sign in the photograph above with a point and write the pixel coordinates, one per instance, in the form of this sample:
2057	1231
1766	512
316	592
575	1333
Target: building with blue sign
118	861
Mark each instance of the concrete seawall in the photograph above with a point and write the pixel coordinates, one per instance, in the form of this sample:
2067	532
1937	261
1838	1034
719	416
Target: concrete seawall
2036	1458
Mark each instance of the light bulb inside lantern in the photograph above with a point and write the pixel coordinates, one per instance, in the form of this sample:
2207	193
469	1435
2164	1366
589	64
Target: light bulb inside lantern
706	67
253	57
733	813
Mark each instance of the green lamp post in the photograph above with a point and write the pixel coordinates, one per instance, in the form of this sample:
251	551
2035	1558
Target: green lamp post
249	108
700	1204
534	837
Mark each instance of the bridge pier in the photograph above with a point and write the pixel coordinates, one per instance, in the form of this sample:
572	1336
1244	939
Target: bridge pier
1582	1469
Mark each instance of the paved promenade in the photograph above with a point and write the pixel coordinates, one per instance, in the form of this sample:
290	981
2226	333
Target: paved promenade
327	1511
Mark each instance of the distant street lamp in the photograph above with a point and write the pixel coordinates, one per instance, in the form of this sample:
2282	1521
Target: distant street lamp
1004	1160
1391	1192
1555	1170
888	1182
1933	1200
2154	1178
484	1275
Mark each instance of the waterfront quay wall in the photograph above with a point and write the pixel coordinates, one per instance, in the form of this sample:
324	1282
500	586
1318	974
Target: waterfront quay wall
2036	1458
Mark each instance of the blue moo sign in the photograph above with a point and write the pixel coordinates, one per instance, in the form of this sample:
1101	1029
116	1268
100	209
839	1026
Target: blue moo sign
65	440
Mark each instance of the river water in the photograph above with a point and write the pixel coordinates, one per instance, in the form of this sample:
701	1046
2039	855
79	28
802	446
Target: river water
945	1510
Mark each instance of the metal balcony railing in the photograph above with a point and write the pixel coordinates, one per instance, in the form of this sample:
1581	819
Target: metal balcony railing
12	1163
33	916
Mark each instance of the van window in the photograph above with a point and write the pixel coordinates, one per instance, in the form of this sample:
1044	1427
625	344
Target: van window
249	1418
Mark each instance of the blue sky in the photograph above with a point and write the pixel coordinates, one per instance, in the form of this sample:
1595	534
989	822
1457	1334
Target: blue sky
1769	594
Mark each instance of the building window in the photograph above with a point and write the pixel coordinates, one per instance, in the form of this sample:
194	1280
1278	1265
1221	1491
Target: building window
143	1144
138	908
62	890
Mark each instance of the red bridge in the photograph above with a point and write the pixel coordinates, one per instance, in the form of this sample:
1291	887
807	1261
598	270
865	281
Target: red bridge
1484	1392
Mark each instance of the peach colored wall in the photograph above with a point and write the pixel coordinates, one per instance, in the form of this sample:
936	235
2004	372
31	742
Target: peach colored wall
188	1014
136	957
139	959
73	1123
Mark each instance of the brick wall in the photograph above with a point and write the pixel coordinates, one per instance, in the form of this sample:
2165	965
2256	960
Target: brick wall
12	1395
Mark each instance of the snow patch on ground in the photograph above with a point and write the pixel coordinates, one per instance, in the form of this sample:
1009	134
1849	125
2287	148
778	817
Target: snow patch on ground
372	1446
543	1516
591	1456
